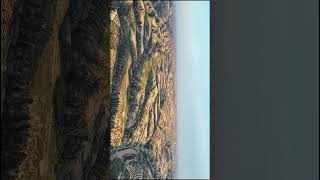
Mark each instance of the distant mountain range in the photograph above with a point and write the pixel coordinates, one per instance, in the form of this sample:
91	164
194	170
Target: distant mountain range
143	104
143	85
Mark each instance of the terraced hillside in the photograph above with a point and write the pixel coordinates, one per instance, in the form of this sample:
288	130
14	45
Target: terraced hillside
143	88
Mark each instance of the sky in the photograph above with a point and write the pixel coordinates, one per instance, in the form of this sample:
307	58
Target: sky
193	88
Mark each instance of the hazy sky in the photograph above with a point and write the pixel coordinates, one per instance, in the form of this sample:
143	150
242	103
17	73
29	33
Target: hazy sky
193	87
